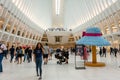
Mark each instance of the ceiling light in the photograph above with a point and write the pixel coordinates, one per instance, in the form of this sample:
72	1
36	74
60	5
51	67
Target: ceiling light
57	7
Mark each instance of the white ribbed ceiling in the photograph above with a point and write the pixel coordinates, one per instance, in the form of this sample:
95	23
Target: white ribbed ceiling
76	12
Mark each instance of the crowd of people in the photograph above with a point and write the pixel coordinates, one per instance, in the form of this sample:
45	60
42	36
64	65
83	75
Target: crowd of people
44	53
113	51
21	54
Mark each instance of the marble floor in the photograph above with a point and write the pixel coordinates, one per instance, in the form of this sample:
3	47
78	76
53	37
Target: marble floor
53	71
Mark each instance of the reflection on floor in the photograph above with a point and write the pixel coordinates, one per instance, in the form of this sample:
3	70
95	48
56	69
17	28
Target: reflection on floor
53	71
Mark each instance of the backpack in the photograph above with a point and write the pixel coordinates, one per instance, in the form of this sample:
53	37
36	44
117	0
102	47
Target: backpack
19	51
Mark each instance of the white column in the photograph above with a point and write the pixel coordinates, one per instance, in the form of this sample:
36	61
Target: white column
15	11
29	34
103	15
114	19
6	20
21	17
109	11
26	30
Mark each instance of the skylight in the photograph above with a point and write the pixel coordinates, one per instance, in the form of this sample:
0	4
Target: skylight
57	3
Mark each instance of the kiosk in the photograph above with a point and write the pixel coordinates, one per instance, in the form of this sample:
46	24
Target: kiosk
79	61
93	37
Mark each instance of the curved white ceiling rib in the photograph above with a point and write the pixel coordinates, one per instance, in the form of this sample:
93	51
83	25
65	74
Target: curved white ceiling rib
76	12
40	12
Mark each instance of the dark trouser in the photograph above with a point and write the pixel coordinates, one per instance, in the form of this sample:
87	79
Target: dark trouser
115	54
104	54
1	58
111	52
100	54
5	53
16	57
12	56
39	66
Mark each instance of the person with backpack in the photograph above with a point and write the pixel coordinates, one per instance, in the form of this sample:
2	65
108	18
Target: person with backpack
20	54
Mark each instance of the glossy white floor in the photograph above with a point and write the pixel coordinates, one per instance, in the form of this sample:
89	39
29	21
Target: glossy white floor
53	71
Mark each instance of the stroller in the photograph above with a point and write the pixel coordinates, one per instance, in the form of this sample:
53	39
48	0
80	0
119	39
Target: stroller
60	57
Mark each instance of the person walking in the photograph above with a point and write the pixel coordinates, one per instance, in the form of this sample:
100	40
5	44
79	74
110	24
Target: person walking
51	52
4	49
30	54
104	51
100	52
85	53
38	52
115	51
12	50
26	54
46	53
111	50
20	54
66	56
16	54
1	57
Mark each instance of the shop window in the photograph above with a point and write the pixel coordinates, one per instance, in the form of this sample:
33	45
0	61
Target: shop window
7	29
114	29
18	33
33	37
30	36
23	34
27	34
58	38
1	24
13	31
